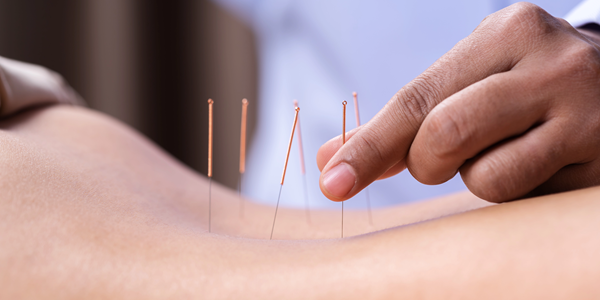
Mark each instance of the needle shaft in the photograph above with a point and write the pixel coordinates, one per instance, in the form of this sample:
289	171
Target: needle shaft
242	153
287	157
307	207
209	201
354	95
302	165
276	208
240	196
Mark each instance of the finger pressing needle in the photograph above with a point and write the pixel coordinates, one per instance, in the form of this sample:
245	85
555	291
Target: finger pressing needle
367	188
343	142
242	153
287	156
210	154
302	167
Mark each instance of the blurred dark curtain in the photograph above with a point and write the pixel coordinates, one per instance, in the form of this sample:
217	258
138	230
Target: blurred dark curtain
152	64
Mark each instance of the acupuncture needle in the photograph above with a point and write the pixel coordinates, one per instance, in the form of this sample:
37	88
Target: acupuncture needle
302	166
287	156
354	95
343	142
210	157
242	154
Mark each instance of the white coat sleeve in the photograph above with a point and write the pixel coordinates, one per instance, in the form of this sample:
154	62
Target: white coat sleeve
586	12
24	85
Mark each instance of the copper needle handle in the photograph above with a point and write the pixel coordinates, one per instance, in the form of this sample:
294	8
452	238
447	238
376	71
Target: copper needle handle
299	138
287	156
243	137
210	136
344	124
356	109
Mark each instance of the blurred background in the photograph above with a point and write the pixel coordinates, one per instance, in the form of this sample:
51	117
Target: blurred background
152	64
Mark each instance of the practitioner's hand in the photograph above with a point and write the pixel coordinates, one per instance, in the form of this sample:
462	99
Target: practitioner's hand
515	107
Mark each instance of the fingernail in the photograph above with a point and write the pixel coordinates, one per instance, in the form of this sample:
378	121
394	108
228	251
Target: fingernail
339	180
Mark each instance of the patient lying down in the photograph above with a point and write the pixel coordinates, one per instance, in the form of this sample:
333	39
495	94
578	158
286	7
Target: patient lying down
91	209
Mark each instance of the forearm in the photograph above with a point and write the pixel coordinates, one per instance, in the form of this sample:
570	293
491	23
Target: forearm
540	248
543	248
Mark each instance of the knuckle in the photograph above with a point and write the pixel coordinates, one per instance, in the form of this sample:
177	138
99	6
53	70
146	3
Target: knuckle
565	24
582	63
416	100
526	9
526	20
447	134
486	21
574	73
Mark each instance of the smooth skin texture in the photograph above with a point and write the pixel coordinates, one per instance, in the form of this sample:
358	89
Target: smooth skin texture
90	209
514	107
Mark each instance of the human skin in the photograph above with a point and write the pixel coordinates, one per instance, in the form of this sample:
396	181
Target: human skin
90	209
513	107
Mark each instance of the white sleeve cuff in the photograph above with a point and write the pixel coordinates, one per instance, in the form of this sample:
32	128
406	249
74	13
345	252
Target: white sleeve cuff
24	85
586	12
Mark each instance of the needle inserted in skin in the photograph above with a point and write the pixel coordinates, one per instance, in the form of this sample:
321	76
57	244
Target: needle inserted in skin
367	188
302	166
343	142
287	156
210	154
242	154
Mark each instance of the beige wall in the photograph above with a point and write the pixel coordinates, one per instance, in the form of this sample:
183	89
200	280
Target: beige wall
152	64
